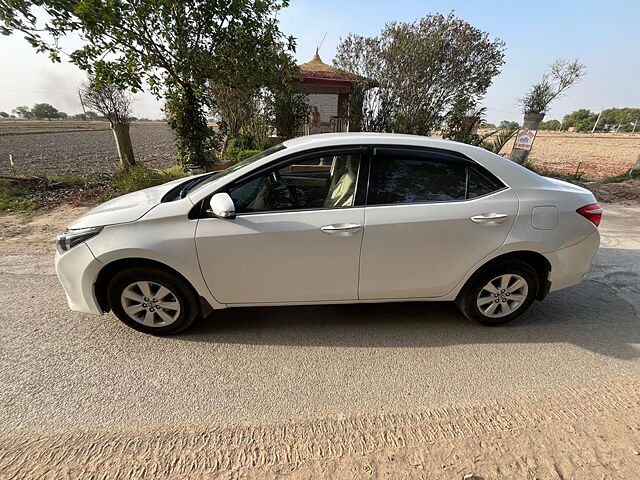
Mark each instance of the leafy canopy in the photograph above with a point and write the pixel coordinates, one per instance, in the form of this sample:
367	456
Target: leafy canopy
44	110
563	75
128	41
177	47
114	104
412	73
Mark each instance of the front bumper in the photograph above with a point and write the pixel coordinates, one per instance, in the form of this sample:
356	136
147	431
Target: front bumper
77	271
570	264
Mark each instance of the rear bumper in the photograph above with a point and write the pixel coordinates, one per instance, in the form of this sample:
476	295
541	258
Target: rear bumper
569	265
77	271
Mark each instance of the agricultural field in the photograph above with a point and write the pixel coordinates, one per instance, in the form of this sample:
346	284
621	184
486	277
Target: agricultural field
79	148
593	157
87	148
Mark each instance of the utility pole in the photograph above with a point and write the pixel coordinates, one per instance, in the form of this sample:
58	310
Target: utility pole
82	104
597	120
634	126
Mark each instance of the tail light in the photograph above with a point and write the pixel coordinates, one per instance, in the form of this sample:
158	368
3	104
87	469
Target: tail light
592	212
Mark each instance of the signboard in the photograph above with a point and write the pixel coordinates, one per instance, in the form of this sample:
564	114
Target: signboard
524	139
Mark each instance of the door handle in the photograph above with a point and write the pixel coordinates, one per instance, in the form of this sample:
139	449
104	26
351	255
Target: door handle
341	227
490	218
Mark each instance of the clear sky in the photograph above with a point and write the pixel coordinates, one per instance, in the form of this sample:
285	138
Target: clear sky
603	35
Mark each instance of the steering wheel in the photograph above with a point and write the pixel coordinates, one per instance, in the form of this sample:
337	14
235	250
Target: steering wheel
278	180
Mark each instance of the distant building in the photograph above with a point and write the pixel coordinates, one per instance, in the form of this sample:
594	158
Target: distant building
328	89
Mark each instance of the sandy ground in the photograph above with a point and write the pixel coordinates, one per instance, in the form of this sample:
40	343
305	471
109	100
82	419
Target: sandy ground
593	156
369	391
20	234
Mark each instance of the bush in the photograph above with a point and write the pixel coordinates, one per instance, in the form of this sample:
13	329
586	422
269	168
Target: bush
139	177
247	141
236	155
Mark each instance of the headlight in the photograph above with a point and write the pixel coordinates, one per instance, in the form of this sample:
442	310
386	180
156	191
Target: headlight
71	238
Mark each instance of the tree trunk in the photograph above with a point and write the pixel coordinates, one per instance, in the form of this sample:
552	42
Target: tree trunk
123	142
531	122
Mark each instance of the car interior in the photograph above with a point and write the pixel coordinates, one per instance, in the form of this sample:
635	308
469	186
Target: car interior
322	182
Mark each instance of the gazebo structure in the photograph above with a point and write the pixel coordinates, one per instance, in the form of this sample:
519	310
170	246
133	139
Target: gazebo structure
328	89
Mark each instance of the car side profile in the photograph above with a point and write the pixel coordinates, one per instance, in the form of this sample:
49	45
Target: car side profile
329	219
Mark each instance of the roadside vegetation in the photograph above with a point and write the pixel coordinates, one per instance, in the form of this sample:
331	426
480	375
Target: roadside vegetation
139	177
30	195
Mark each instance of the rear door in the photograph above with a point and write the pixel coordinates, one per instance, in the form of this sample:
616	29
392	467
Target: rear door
430	217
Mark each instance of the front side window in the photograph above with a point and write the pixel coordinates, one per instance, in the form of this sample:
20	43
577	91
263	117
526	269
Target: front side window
406	176
322	181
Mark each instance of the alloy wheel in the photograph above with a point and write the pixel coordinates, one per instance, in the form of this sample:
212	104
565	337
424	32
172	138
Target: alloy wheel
502	296
150	304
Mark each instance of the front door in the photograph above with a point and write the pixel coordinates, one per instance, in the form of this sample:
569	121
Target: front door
429	219
296	237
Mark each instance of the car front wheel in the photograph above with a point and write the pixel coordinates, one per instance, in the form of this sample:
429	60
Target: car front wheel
152	300
499	293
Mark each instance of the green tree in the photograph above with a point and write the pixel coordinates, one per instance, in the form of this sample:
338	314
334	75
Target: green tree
563	76
23	112
536	102
550	125
622	119
176	47
115	105
4	114
508	124
418	70
288	110
40	111
581	119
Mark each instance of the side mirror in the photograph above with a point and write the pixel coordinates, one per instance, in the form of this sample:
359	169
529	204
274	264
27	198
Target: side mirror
222	206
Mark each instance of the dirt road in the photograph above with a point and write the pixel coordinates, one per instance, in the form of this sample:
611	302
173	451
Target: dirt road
371	391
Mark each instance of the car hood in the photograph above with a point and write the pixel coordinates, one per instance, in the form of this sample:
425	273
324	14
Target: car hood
127	208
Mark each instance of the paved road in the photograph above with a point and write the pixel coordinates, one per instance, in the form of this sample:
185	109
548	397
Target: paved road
62	371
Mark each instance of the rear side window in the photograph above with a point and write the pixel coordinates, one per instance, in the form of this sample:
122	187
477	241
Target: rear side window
482	183
409	176
417	180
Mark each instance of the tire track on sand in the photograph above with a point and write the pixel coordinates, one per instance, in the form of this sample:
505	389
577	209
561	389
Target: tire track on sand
194	451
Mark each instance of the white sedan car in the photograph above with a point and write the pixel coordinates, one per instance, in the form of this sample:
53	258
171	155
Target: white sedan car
333	218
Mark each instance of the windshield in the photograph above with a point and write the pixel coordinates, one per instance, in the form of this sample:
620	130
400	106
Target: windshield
206	180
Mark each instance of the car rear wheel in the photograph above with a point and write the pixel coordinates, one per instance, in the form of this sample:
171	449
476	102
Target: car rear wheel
499	293
152	301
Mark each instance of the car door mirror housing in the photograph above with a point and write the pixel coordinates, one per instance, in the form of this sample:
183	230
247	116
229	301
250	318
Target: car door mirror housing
222	206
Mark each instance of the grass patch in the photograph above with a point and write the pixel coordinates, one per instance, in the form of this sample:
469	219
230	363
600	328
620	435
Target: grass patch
578	178
13	198
140	177
69	179
630	175
567	177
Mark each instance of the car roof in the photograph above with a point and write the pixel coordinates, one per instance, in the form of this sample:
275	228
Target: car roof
345	138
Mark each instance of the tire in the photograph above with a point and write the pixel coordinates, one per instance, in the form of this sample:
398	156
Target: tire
134	290
496	307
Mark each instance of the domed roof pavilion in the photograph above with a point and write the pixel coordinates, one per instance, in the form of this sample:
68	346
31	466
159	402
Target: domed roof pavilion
328	89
